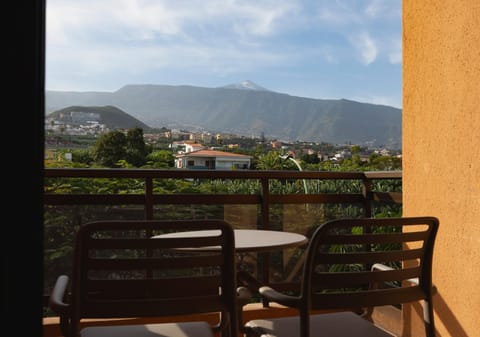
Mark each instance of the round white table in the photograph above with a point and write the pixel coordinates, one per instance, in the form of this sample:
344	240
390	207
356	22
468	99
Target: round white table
251	240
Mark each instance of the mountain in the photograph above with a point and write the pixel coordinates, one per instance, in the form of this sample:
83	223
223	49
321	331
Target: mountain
112	117
247	112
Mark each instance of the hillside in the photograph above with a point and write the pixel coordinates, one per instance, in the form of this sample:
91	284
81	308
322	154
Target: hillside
248	112
112	117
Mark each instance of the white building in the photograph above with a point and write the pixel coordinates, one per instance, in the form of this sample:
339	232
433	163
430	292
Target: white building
213	160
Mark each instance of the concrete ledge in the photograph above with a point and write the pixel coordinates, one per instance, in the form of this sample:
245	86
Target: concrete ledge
387	317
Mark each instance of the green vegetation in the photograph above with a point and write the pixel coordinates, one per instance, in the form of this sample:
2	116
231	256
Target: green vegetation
129	150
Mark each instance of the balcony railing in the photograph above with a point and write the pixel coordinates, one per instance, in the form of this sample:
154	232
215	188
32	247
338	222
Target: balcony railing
247	199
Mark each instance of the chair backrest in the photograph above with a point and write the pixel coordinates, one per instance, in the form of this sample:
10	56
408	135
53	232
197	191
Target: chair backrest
121	271
338	270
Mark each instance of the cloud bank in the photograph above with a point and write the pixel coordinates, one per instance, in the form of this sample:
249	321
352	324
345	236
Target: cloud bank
104	44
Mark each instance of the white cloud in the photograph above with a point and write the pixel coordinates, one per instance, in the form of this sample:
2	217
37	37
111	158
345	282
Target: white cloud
148	19
375	8
367	25
97	62
259	18
366	46
113	21
395	53
383	9
198	30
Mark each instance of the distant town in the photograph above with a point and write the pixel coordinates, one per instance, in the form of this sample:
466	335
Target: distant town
187	146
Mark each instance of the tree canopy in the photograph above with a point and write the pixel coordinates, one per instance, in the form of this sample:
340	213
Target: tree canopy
116	146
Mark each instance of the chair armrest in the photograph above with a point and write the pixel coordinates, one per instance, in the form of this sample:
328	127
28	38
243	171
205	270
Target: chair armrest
379	266
368	311
56	300
280	298
244	296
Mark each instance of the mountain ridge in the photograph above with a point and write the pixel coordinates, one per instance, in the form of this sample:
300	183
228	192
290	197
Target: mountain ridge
247	112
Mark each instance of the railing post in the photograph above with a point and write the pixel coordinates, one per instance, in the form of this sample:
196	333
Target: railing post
148	198
265	209
368	197
265	193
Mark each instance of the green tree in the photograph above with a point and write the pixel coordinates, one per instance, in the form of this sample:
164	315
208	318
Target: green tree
84	156
356	149
386	163
270	161
136	150
110	148
161	159
310	158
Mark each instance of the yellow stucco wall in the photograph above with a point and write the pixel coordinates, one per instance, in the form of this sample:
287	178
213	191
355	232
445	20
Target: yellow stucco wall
441	149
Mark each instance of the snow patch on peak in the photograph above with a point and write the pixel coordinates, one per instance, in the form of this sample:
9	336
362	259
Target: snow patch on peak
245	85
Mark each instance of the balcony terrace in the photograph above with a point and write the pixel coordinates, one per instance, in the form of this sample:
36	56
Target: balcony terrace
247	199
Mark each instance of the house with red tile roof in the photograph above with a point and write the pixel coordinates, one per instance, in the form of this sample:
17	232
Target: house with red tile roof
212	160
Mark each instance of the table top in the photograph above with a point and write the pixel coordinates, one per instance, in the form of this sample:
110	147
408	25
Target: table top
252	240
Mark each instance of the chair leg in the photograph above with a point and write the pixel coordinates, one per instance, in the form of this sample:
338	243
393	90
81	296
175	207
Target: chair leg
367	313
428	318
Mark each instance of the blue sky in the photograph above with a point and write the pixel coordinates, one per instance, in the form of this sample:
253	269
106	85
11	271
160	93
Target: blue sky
325	49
